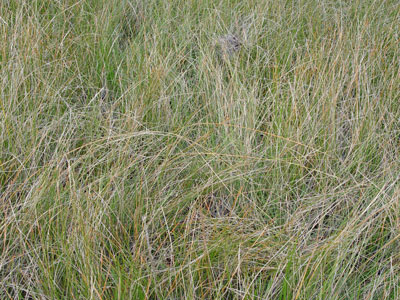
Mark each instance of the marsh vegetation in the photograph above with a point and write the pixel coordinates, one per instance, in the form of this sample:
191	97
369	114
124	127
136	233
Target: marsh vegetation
136	163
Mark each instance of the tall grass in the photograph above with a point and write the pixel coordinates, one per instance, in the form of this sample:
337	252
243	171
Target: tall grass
137	162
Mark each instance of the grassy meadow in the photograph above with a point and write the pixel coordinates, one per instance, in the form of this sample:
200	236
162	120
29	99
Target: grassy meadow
144	155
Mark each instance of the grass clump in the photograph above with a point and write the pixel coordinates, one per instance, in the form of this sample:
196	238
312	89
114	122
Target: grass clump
139	159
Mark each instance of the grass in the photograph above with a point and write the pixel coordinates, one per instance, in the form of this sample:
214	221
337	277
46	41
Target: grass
137	162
